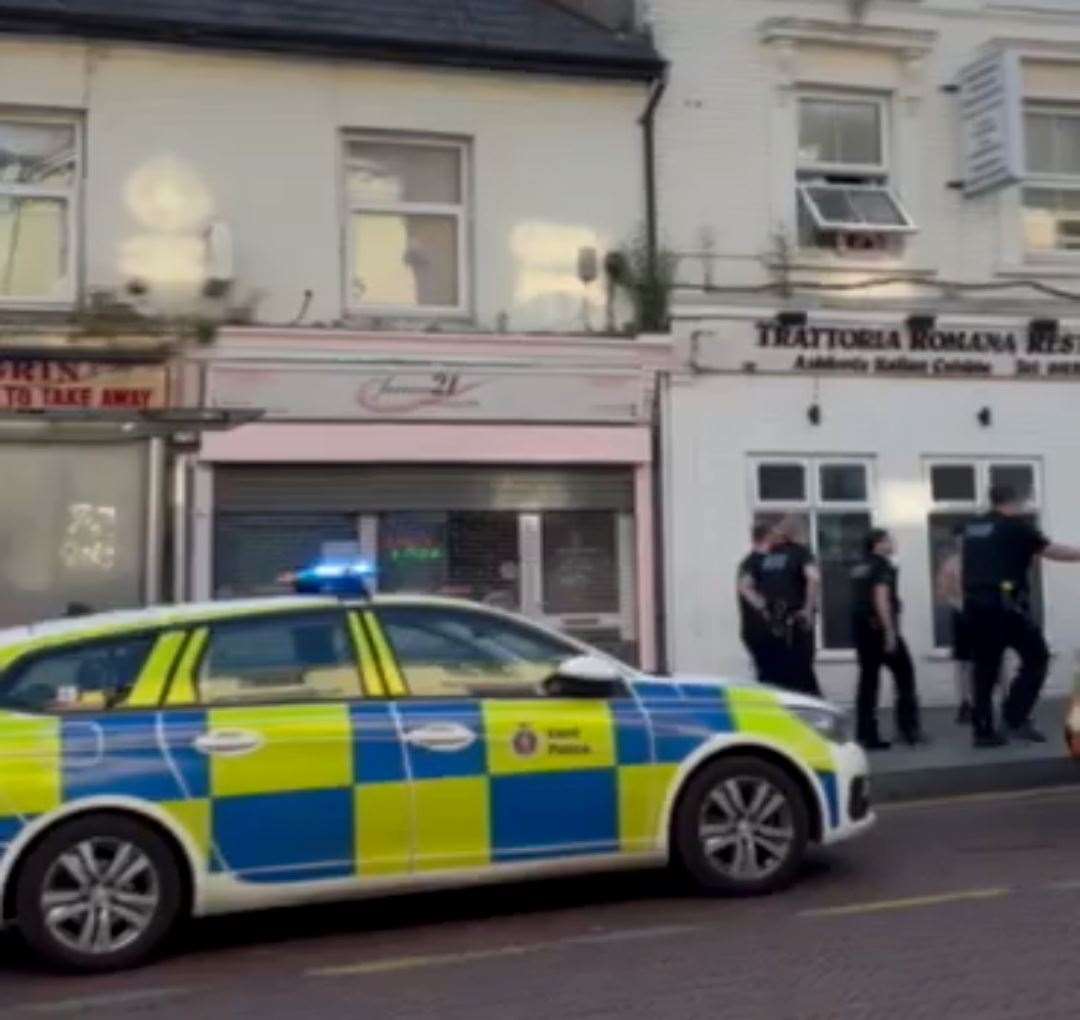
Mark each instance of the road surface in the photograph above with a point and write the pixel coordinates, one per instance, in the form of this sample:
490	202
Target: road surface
963	908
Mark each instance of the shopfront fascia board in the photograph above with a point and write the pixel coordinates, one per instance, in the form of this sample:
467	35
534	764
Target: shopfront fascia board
431	392
954	348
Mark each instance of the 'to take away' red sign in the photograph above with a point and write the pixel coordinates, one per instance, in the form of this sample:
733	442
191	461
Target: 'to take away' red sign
45	384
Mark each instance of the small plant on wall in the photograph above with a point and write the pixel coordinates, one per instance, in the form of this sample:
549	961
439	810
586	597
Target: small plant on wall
647	278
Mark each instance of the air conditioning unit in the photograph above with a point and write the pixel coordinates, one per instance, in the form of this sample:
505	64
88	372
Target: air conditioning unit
857	242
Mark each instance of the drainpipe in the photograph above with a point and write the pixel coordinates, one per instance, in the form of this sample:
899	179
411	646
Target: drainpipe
648	127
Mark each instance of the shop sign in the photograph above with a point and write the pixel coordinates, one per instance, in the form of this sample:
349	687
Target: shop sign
902	350
48	384
992	124
449	394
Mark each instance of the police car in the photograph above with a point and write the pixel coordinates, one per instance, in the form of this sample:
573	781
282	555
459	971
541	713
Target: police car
208	758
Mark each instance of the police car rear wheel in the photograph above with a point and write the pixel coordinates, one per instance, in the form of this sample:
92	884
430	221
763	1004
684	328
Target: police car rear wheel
98	893
742	827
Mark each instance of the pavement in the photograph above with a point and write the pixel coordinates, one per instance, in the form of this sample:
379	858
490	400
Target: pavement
965	908
949	765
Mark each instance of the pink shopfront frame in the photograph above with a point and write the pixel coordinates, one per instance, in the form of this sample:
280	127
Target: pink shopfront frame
442	443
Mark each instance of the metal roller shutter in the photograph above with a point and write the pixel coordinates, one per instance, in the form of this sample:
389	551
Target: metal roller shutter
309	488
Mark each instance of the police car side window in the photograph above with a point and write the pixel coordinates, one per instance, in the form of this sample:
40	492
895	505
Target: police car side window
458	653
306	657
90	677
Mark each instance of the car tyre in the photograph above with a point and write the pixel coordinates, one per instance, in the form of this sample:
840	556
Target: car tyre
101	892
741	828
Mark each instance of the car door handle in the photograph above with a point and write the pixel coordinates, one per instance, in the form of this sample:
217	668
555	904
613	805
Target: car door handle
228	743
443	737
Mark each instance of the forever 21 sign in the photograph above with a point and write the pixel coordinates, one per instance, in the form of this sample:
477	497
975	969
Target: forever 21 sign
912	351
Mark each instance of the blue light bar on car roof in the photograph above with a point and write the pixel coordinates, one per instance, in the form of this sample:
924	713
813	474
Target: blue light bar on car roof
333	577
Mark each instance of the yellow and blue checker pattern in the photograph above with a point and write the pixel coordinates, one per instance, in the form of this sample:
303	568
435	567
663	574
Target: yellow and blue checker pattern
339	791
348	790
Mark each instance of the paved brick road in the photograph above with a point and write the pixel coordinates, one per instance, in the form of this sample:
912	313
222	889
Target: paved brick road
960	909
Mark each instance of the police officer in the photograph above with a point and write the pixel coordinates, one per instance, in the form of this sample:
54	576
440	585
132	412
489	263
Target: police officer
753	616
998	550
878	642
789	582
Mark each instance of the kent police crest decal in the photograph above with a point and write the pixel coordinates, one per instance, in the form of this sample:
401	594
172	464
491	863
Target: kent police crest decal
525	742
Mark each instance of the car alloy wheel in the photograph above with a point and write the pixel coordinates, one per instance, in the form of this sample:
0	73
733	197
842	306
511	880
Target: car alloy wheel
746	828
741	826
100	896
100	892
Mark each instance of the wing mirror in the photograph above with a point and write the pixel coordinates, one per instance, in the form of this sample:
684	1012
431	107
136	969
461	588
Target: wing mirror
588	667
585	676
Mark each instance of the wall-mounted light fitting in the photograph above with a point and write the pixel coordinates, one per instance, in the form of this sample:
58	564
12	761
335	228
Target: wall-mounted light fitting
985	417
813	414
921	323
1044	327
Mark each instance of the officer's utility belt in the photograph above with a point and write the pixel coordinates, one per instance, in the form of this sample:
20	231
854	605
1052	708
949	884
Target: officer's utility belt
783	620
1004	596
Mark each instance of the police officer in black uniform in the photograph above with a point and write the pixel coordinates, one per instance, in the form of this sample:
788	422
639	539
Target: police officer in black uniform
789	582
998	551
878	642
753	618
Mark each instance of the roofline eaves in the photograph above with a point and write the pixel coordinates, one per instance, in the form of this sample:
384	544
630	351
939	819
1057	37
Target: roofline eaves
630	68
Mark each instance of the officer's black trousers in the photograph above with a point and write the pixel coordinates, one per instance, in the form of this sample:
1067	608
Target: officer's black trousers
759	644
870	647
788	660
996	627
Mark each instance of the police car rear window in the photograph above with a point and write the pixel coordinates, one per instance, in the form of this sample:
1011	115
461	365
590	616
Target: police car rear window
90	677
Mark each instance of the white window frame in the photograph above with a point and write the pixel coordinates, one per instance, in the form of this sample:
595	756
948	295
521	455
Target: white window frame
71	195
812	506
1047	181
827	169
460	212
871	176
980	504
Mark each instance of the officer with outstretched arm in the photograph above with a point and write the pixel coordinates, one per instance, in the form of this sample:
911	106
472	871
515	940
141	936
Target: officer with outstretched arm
998	551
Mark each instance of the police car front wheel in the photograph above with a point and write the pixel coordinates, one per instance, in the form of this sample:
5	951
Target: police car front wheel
742	827
98	893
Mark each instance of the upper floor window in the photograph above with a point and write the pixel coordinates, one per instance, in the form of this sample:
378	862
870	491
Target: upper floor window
842	176
1052	190
39	179
406	207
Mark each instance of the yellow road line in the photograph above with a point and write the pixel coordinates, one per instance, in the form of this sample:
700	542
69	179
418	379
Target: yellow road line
414	962
907	903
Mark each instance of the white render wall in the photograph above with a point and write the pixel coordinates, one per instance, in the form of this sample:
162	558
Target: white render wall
727	130
716	423
178	137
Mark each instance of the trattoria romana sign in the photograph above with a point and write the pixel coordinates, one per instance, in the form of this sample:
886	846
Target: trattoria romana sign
768	346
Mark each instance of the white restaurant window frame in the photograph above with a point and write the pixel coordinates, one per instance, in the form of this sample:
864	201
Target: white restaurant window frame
811	506
461	211
983	464
1042	180
72	195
